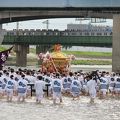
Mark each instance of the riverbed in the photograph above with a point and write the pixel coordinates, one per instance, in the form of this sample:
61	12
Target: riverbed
69	110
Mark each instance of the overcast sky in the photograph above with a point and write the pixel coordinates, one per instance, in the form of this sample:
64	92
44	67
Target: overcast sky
58	3
60	24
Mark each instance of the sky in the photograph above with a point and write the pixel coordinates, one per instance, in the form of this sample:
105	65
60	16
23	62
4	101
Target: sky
58	3
60	23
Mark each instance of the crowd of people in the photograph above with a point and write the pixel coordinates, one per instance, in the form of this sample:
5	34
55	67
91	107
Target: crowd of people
94	84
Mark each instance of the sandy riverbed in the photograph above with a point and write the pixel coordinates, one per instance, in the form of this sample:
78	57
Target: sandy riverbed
69	110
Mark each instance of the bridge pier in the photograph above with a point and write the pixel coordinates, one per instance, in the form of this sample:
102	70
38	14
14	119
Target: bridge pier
116	44
1	34
21	55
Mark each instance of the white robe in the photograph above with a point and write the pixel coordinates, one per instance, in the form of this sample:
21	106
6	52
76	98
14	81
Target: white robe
22	87
91	84
57	88
39	86
10	86
75	88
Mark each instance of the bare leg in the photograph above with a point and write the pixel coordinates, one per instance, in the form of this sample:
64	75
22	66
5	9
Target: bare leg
39	101
23	99
61	100
10	98
54	101
7	98
18	98
78	97
73	98
1	95
36	100
91	100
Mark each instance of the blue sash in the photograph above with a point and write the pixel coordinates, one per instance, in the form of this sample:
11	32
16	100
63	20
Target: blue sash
65	85
10	87
57	89
117	85
103	86
68	85
3	86
112	84
75	89
22	90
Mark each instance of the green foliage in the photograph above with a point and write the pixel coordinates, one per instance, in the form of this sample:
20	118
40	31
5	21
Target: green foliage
2	48
89	54
91	62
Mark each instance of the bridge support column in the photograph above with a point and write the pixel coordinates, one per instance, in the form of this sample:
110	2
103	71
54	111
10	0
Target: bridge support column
21	55
1	34
0	28
116	44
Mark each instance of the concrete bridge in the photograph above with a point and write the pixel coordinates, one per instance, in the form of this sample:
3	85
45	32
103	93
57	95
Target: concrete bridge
20	10
14	15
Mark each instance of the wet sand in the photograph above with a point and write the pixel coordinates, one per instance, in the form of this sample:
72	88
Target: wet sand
68	110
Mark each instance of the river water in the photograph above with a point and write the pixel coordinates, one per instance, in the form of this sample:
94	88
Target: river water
69	110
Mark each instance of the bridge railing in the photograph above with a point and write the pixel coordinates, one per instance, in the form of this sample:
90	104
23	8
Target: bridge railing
39	32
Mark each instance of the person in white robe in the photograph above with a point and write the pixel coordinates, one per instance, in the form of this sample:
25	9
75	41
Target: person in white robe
39	86
22	89
57	88
91	84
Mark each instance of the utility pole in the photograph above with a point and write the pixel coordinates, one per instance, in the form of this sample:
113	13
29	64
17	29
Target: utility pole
47	24
10	16
17	28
